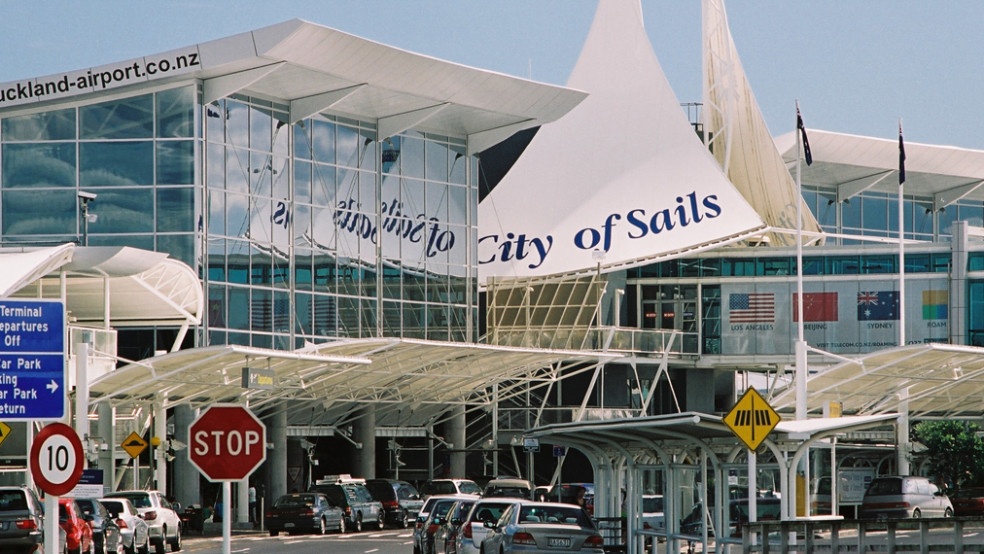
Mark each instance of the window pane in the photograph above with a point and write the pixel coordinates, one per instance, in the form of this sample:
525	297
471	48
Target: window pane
176	162
175	210
176	113
180	247
116	164
122	211
323	142
53	125
40	212
38	165
119	119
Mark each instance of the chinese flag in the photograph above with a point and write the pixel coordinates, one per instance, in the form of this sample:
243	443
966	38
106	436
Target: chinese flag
817	306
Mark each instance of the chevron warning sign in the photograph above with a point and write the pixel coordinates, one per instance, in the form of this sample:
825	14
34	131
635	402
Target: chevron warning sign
752	419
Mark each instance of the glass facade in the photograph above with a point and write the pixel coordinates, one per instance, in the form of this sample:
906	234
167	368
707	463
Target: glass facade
300	232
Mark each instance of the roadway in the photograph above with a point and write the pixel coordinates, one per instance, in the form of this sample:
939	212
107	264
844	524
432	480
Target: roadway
387	541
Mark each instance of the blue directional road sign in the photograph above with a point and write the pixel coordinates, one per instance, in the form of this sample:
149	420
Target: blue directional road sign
32	360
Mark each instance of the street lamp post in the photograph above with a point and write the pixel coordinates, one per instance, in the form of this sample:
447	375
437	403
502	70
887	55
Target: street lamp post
84	199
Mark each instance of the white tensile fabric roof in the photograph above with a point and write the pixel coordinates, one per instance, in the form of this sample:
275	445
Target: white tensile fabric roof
316	68
935	380
852	163
145	288
740	138
623	173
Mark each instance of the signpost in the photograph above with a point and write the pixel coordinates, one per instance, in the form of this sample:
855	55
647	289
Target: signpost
751	420
227	443
56	462
32	360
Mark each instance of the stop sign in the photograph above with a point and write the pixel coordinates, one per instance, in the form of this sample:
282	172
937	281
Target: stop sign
227	442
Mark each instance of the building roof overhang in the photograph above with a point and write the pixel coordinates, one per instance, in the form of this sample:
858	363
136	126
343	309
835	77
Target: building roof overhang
314	68
851	164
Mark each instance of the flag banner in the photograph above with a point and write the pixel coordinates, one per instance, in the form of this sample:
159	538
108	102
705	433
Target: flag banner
901	157
878	306
807	154
817	306
935	303
755	307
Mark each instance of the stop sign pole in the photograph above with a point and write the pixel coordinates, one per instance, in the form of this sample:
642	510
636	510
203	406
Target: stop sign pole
227	443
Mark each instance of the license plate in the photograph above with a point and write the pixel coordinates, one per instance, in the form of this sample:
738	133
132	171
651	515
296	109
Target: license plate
558	542
288	525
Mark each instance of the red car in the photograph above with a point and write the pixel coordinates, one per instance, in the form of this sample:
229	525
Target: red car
968	502
78	534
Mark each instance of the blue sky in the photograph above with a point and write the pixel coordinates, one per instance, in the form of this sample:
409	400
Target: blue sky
856	67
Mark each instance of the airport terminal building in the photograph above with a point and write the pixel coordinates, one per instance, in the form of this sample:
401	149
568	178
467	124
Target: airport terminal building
345	204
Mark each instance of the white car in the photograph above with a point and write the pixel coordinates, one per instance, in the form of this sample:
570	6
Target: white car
136	534
652	512
473	529
162	521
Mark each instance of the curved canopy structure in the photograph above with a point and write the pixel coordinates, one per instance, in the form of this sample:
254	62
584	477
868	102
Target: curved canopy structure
621	180
129	286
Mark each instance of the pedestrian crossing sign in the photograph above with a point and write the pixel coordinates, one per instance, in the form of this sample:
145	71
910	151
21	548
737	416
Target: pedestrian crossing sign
752	419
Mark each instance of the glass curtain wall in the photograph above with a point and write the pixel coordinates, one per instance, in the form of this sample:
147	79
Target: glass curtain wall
319	230
137	154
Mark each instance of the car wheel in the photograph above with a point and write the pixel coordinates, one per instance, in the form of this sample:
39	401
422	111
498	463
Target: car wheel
404	519
176	542
948	513
341	525
380	520
322	527
145	547
916	514
274	533
357	528
159	546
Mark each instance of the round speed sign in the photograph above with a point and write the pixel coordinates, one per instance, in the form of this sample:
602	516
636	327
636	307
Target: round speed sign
56	459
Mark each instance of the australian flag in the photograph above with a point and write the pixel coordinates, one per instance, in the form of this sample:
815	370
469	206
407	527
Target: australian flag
806	143
878	306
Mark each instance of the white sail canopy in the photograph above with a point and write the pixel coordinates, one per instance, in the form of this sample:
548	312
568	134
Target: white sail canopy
741	141
621	180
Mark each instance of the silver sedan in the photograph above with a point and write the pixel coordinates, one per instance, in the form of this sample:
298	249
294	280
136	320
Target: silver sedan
542	527
133	529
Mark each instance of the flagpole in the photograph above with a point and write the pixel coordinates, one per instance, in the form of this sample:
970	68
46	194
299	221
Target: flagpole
901	240
800	349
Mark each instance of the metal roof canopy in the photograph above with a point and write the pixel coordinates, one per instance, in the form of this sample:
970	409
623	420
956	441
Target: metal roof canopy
140	286
933	380
852	163
314	68
408	381
612	445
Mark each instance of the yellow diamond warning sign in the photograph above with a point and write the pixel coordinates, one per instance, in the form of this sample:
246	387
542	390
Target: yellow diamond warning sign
4	431
752	419
134	445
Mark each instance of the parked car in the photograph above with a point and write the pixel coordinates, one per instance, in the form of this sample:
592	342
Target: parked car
400	500
473	529
133	529
106	536
436	506
304	511
449	486
968	502
543	526
21	520
767	508
511	488
903	497
78	534
446	536
355	501
162	521
652	512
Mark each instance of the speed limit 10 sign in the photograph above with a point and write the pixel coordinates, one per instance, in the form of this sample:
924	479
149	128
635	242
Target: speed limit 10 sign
56	459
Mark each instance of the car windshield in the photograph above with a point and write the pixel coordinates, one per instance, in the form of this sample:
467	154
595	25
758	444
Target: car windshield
114	508
558	514
12	500
488	512
512	492
139	500
880	487
468	487
295	501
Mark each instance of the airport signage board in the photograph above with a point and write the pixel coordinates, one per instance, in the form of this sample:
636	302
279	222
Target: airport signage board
32	360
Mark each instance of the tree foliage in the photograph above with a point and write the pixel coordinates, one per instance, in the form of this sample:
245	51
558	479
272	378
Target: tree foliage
954	450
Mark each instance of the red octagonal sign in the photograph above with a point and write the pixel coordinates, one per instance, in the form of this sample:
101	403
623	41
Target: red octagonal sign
227	442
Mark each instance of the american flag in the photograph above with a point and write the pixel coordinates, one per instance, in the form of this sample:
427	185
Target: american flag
752	307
